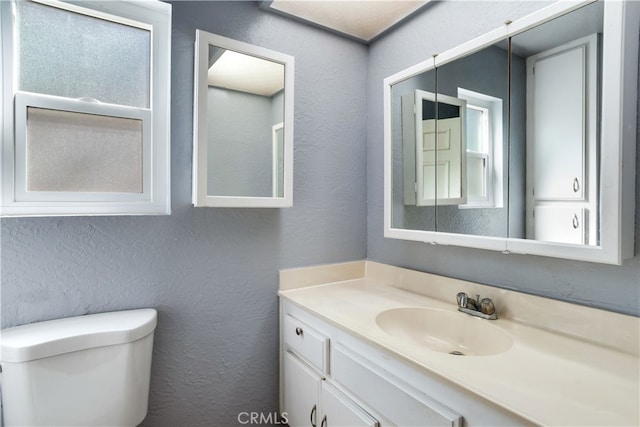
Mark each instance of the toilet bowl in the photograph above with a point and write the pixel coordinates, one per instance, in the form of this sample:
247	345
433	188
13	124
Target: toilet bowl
91	370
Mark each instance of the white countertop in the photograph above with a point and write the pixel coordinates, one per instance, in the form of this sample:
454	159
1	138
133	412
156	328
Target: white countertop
547	377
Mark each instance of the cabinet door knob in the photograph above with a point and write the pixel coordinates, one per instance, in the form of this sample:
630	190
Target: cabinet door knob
575	222
312	417
298	331
576	185
324	422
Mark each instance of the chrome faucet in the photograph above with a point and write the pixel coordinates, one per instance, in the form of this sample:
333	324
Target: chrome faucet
483	308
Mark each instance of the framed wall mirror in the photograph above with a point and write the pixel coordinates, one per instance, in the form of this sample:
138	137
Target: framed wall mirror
243	124
549	123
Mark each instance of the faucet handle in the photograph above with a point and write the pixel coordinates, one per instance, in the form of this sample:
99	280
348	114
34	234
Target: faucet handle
486	306
462	299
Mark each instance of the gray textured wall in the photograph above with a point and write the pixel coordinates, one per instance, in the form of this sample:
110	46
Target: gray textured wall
444	25
212	273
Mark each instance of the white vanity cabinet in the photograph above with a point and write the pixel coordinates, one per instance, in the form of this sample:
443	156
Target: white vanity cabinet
307	398
353	383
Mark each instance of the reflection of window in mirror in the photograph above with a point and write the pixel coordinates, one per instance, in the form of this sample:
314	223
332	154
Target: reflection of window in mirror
484	150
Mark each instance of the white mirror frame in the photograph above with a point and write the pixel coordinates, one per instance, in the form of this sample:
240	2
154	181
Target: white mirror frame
618	139
200	125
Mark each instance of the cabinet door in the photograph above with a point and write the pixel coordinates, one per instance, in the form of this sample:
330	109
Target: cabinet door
560	224
561	104
558	125
339	410
301	393
388	395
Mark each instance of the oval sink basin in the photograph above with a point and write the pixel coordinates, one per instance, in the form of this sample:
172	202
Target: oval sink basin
447	332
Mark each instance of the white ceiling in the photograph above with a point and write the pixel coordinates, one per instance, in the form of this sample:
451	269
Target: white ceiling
360	19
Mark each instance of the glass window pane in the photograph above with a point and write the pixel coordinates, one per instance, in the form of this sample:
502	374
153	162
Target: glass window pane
68	54
69	151
475	130
476	178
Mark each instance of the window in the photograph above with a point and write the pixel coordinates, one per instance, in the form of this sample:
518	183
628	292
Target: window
484	150
87	90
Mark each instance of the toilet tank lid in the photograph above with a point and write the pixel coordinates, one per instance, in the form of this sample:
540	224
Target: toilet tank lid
52	337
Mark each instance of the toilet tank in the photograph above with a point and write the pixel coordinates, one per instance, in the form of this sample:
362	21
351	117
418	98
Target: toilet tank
91	370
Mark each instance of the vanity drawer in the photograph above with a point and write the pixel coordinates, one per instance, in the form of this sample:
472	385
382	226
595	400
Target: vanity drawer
306	342
398	402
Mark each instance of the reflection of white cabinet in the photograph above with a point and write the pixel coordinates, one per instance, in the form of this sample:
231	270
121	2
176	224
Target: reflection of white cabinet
562	143
555	223
356	384
558	125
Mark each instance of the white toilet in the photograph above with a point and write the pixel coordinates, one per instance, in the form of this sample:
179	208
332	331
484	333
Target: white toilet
89	370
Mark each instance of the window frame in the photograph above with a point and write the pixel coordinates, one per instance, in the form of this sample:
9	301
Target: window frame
15	200
492	149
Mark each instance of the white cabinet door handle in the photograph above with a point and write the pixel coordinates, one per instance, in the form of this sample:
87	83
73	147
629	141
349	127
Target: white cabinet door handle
576	185
313	416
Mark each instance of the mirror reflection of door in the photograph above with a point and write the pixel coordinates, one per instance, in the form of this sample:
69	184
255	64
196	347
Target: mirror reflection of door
447	170
440	149
245	102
